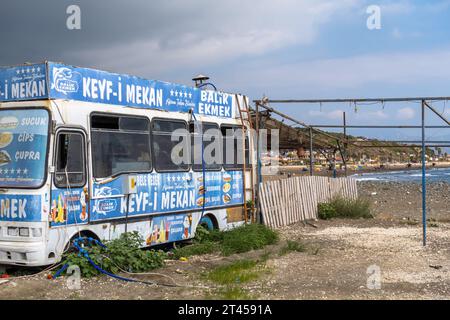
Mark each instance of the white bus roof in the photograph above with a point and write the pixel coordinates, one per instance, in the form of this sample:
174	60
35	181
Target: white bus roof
50	80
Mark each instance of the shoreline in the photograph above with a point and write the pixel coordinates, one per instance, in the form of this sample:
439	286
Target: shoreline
299	170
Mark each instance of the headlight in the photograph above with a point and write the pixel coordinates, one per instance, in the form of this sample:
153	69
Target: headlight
13	231
24	232
37	232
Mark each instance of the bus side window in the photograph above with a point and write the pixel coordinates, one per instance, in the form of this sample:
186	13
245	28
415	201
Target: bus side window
170	139
120	145
232	139
70	168
211	136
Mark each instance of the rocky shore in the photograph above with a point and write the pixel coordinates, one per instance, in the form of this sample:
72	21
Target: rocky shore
403	201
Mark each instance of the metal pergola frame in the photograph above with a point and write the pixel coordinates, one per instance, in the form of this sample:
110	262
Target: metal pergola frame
423	144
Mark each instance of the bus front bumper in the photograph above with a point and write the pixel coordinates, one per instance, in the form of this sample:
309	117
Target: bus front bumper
22	253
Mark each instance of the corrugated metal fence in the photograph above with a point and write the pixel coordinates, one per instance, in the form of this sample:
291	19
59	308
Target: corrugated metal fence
287	201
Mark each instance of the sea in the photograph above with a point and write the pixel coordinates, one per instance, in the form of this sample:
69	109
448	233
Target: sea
432	175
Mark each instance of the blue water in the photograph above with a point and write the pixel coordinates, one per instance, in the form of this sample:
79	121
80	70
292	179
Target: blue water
433	175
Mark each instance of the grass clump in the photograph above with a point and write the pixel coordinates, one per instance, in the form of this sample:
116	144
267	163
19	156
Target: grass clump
238	240
292	246
345	208
247	238
326	211
237	272
232	276
122	254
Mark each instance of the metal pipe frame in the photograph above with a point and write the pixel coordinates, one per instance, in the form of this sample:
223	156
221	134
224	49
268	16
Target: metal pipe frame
423	143
406	146
403	141
357	100
375	127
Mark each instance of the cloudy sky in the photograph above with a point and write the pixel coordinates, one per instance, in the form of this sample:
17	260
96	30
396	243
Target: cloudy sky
282	49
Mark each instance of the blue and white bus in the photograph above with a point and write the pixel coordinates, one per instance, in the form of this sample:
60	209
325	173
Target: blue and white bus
88	152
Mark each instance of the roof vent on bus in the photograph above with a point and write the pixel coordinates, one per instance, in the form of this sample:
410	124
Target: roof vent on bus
199	80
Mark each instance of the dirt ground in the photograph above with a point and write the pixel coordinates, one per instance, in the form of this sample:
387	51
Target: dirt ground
334	264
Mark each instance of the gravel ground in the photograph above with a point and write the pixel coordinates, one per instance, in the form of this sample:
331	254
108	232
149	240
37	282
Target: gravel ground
393	200
333	266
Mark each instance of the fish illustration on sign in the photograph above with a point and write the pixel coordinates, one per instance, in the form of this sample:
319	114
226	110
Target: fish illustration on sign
65	80
104	206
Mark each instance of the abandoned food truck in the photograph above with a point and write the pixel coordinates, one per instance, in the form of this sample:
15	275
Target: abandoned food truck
92	153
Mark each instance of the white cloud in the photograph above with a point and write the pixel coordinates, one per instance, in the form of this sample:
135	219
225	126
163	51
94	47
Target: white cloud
437	7
218	33
398	7
396	33
400	34
406	113
351	73
404	7
333	115
371	115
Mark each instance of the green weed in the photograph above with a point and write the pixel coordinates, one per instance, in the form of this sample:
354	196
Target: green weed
345	208
292	246
238	240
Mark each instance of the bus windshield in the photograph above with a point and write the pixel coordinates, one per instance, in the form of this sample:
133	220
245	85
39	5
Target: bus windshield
23	147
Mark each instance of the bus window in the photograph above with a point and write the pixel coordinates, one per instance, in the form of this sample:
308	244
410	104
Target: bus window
167	135
23	147
120	144
70	162
211	135
232	138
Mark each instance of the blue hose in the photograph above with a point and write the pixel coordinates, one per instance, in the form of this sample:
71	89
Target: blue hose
60	271
83	252
112	275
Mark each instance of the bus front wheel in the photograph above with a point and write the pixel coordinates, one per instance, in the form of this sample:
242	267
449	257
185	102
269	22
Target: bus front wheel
207	222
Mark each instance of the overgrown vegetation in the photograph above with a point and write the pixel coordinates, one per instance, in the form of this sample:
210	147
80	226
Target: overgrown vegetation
240	271
292	246
233	276
238	240
345	208
122	254
125	253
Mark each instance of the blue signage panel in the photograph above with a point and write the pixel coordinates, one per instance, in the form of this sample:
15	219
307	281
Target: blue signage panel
58	81
23	83
23	147
167	192
20	208
67	82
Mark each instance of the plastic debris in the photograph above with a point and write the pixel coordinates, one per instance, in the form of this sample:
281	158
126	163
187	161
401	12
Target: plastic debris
3	281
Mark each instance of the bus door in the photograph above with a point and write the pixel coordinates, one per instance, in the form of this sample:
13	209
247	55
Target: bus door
69	196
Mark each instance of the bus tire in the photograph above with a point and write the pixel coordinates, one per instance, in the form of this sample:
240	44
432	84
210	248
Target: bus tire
207	222
84	234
